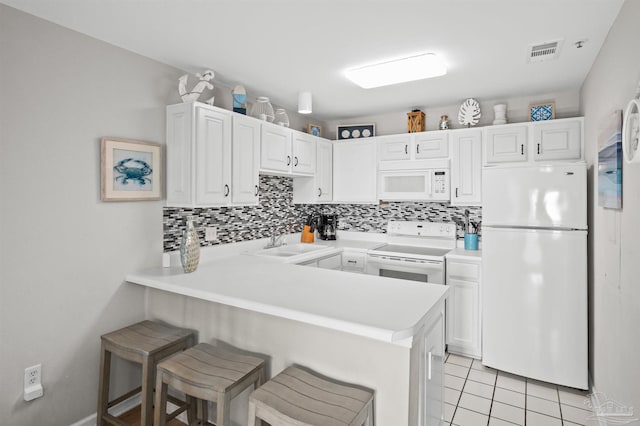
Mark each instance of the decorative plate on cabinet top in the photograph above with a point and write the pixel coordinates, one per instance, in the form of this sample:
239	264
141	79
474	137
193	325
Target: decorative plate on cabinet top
469	114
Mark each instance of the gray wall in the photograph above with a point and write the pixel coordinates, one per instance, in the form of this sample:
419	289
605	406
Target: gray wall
64	252
614	235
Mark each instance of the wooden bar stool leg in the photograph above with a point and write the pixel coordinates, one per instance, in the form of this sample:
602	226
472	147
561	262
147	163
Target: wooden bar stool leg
369	420
223	408
192	409
252	415
146	410
204	409
103	387
160	411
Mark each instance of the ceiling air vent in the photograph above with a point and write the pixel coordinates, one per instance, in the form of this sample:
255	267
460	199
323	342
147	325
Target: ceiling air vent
544	51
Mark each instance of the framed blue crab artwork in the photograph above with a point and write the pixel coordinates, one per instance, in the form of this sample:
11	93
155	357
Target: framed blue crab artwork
130	170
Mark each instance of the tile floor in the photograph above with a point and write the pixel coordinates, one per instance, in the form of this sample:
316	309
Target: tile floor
476	395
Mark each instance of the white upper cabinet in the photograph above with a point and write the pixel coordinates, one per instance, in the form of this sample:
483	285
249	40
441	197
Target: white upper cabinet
413	146
246	160
354	171
551	140
212	157
507	143
557	140
319	187
275	150
287	152
466	167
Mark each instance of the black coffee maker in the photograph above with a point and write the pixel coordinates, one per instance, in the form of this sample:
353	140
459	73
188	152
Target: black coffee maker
327	226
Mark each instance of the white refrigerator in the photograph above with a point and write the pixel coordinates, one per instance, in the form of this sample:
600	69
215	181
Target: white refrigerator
534	272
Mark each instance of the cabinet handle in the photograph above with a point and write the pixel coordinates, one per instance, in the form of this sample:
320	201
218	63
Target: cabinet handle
256	193
417	148
521	149
456	192
319	192
226	190
429	366
351	261
538	148
295	159
288	160
406	149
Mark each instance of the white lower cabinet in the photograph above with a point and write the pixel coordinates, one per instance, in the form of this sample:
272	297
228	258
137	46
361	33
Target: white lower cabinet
354	171
354	261
329	262
464	307
431	373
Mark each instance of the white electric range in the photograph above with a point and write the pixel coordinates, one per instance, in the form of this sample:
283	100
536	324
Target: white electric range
415	250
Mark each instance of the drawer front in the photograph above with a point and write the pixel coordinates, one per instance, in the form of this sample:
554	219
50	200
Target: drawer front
470	271
332	262
353	261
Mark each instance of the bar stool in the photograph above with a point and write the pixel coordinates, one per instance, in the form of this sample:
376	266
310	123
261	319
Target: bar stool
296	397
206	373
146	343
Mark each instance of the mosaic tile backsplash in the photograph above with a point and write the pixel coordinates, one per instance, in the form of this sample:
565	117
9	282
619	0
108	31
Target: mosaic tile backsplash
276	214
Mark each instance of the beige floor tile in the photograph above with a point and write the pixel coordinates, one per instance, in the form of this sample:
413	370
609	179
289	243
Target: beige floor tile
542	390
464	417
477	365
479	389
460	360
456	370
507	412
575	415
537	419
573	397
486	377
493	421
453	382
448	412
511	383
543	406
509	397
451	396
475	403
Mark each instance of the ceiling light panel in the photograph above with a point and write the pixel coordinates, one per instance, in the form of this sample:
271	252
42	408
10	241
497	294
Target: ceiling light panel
397	71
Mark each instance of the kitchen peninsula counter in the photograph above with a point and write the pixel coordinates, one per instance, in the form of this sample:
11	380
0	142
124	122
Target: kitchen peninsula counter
376	332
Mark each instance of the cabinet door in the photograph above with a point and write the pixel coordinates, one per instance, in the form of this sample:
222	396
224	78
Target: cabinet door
275	148
179	155
466	167
213	157
324	171
395	147
505	144
354	171
304	153
432	378
559	140
431	145
463	323
333	262
246	160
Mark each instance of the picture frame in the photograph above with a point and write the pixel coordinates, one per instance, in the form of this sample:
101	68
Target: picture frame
542	112
355	131
610	162
314	129
131	170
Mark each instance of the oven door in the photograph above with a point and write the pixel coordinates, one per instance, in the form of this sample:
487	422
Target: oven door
426	271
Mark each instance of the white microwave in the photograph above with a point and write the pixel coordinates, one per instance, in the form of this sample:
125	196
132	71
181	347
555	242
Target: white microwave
419	180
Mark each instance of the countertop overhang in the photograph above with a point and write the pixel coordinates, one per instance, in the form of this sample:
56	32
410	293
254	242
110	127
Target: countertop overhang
384	309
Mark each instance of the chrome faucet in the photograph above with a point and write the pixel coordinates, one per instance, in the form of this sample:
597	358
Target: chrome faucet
276	241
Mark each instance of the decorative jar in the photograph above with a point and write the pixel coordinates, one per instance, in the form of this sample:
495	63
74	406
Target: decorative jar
190	247
262	109
444	122
281	117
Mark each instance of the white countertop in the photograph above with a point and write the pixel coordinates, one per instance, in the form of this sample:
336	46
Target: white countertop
461	253
384	309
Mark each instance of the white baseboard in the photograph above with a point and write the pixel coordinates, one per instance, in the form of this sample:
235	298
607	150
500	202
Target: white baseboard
116	410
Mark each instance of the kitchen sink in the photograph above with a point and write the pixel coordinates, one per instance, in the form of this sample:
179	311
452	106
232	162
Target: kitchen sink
290	250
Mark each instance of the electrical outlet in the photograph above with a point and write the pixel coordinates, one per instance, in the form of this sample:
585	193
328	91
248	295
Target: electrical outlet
211	233
33	382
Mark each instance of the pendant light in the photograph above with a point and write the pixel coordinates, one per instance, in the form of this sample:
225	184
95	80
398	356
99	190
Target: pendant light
304	103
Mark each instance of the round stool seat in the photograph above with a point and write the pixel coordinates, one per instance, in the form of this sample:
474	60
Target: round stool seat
297	397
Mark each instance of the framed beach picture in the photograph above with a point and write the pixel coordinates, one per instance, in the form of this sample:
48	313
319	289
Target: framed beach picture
610	162
355	131
314	129
130	170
